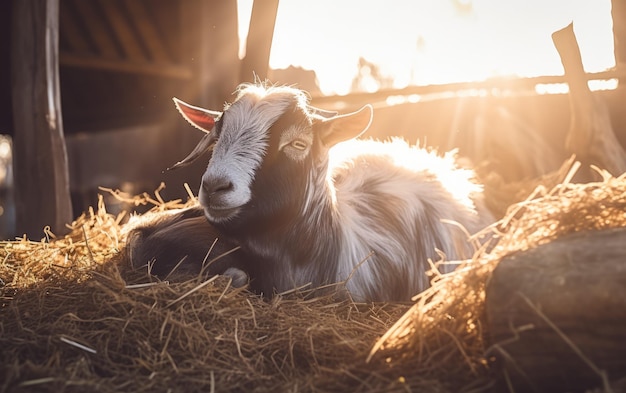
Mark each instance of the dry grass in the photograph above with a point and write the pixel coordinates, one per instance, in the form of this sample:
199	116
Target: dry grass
74	317
447	320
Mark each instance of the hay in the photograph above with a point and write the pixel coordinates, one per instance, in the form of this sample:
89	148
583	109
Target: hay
74	317
446	324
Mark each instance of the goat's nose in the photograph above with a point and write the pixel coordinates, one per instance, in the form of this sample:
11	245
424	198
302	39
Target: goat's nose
218	185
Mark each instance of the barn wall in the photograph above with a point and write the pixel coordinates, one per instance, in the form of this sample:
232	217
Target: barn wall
520	134
6	117
124	102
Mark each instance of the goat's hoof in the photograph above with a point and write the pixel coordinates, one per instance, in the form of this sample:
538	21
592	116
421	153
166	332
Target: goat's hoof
239	277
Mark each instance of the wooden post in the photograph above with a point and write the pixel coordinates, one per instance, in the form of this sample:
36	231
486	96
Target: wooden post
618	13
591	137
42	193
259	43
556	314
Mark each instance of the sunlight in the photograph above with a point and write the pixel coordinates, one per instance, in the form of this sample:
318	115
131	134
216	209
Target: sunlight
456	181
421	42
563	88
244	10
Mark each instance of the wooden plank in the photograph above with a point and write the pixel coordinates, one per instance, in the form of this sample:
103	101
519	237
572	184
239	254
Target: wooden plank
618	13
259	42
148	32
591	137
92	62
70	31
41	171
122	30
556	314
496	85
97	29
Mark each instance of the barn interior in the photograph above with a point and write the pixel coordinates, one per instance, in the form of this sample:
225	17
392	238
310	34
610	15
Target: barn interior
120	63
93	112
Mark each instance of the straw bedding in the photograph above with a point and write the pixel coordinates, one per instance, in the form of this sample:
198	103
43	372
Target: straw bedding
75	317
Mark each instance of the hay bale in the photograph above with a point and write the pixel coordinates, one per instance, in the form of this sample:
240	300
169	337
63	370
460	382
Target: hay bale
556	313
446	328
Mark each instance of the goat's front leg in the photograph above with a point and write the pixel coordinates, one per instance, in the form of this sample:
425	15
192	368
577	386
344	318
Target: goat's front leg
182	244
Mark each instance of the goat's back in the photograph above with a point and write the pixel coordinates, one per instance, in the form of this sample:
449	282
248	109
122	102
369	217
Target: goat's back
400	204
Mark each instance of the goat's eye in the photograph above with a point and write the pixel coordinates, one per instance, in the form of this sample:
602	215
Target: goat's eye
299	144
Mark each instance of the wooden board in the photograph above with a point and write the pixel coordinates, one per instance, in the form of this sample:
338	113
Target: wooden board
42	195
591	137
259	42
557	313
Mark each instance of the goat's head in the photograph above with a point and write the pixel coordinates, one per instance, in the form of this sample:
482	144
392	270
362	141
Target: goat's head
266	147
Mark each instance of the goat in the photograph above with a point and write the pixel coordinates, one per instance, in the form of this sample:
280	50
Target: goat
311	204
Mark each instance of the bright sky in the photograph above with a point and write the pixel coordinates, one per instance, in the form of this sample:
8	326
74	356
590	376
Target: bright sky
434	41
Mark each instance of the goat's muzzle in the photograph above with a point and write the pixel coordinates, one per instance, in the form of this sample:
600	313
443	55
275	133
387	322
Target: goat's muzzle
216	196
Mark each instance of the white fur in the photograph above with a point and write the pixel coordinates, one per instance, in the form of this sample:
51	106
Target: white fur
407	178
241	147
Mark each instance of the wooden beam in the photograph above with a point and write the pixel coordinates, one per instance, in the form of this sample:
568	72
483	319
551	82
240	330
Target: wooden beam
259	42
148	31
121	28
70	32
556	314
145	68
497	85
618	13
98	31
590	137
40	158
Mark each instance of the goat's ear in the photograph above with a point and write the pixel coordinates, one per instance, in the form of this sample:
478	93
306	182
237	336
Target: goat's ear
322	112
202	147
200	118
343	127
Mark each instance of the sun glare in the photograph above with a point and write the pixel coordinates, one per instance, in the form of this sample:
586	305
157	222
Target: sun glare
443	167
421	42
563	88
244	11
